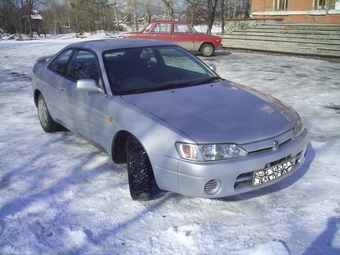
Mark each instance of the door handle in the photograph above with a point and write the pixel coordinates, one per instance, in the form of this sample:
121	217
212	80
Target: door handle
62	89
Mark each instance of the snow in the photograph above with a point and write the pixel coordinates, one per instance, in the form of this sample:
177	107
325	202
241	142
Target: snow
61	195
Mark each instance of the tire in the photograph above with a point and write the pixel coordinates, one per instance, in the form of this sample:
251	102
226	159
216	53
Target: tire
207	49
140	173
46	121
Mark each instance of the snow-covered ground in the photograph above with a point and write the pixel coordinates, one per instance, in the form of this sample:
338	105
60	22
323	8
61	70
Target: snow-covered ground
61	195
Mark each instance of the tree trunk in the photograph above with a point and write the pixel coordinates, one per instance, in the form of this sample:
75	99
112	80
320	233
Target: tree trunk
222	16
193	8
116	14
169	11
212	5
135	14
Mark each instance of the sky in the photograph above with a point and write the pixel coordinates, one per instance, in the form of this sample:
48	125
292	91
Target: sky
61	195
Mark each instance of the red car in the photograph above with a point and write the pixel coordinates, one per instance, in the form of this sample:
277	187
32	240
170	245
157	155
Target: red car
181	33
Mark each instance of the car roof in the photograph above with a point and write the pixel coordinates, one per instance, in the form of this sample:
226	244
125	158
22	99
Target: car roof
169	21
120	43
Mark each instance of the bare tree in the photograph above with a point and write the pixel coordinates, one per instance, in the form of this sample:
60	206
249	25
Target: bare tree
146	4
11	16
222	15
116	13
135	14
192	10
237	5
16	15
209	13
248	9
169	9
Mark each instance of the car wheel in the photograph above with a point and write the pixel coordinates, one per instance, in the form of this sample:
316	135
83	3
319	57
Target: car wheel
207	49
46	121
140	173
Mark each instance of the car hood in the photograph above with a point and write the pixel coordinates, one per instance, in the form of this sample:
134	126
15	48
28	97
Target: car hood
219	112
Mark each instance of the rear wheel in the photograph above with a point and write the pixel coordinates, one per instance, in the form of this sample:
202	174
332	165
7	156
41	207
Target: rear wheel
139	171
207	49
46	121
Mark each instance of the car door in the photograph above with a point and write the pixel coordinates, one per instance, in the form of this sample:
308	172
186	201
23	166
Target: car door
85	111
183	36
54	78
161	31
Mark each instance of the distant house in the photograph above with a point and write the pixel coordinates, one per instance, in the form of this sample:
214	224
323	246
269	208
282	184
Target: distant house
35	15
32	20
298	11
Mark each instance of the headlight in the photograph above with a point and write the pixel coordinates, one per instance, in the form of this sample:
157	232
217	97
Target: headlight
210	152
298	128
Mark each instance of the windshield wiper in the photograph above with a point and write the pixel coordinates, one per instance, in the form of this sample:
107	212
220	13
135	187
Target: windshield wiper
205	81
174	85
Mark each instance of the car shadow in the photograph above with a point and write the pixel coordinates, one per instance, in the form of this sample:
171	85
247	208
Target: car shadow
222	53
212	58
297	175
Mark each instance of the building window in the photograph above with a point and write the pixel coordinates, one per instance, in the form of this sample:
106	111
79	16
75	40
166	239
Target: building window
281	4
320	4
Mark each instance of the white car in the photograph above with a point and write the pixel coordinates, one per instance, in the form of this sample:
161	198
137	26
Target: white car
173	120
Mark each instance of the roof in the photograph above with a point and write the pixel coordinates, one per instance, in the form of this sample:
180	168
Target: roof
111	44
169	21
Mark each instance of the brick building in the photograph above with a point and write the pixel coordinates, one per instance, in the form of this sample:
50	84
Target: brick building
298	11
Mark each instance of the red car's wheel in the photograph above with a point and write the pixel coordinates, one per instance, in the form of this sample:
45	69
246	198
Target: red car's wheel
207	49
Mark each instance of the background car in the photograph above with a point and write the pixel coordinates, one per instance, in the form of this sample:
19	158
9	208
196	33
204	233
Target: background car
174	121
181	33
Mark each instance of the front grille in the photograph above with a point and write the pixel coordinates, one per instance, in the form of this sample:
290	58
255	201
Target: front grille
243	180
277	161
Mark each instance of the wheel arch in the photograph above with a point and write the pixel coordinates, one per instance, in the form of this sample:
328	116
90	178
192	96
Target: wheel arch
36	95
204	42
118	146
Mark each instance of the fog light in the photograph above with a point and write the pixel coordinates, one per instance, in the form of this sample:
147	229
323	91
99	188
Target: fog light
212	186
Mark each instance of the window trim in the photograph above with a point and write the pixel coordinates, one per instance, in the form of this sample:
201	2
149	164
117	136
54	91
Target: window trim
49	67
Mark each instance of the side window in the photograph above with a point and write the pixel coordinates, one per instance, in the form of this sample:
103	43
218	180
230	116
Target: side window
83	66
59	65
161	28
181	28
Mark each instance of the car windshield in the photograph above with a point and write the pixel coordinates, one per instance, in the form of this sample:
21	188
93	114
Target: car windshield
146	28
139	70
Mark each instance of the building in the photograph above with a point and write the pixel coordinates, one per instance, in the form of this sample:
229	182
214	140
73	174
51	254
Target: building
298	11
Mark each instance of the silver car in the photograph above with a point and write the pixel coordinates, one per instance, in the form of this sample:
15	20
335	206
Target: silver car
177	124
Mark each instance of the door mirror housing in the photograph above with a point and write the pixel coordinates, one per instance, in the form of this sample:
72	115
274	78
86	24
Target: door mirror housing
89	85
212	67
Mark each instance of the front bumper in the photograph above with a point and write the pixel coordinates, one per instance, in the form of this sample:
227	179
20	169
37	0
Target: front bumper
228	177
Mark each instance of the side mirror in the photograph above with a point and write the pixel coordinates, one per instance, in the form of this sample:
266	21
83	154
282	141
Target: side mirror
212	67
89	85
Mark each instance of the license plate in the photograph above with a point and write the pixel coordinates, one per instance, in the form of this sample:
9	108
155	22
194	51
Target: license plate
273	172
